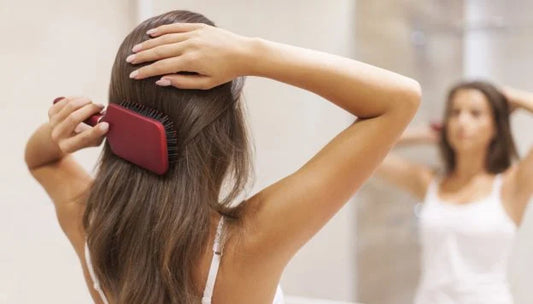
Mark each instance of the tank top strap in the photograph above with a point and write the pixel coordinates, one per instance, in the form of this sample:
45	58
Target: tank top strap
497	187
432	191
96	283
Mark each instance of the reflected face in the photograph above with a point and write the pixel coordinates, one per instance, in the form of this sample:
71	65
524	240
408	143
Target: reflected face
471	125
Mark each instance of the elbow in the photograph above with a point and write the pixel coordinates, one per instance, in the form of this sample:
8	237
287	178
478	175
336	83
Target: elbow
412	95
27	158
408	98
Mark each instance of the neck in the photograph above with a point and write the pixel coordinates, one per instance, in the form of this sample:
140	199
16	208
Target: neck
468	164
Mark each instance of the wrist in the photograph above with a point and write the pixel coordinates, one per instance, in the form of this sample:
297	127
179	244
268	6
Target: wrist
523	100
518	99
252	55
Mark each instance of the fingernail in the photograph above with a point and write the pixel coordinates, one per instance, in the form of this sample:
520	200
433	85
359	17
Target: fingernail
163	82
78	128
130	58
152	31
136	47
100	105
134	73
58	99
104	126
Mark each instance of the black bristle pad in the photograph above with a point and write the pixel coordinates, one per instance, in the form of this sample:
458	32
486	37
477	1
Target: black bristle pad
170	131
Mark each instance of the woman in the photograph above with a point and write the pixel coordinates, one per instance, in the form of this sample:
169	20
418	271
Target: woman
470	213
150	238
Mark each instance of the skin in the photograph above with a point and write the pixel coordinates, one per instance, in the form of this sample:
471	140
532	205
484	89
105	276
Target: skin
281	218
470	126
470	130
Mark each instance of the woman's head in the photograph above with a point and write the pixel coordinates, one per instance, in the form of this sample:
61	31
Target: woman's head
146	231
476	120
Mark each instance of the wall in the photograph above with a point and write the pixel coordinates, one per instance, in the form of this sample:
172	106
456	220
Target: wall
58	48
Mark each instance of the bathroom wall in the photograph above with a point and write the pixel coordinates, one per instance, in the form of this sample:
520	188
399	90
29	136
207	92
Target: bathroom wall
438	43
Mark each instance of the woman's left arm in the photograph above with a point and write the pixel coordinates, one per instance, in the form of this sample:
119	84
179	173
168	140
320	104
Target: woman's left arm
521	176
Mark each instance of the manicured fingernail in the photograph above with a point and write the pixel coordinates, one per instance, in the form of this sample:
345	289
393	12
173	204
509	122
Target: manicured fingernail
104	126
163	82
130	58
58	99
136	47
152	31
100	105
78	128
134	73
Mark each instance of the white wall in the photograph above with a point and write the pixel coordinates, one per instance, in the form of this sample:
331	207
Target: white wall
50	49
58	48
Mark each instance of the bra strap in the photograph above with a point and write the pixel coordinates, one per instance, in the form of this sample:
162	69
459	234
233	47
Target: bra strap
96	283
215	264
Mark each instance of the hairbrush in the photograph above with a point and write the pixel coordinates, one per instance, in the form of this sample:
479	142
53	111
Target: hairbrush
139	134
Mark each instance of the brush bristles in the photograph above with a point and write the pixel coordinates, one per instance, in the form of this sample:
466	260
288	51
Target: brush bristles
170	130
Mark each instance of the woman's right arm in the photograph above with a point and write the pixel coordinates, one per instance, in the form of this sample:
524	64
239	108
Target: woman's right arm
405	174
283	217
288	213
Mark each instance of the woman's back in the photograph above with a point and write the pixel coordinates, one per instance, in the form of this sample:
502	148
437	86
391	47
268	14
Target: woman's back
224	271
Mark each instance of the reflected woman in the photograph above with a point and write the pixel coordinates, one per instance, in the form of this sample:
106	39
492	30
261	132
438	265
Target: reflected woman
470	213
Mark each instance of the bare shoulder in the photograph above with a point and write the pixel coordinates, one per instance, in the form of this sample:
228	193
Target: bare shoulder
426	175
244	233
243	266
514	203
422	176
509	183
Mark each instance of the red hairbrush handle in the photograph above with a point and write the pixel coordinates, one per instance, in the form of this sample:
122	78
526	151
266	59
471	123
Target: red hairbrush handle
436	126
91	121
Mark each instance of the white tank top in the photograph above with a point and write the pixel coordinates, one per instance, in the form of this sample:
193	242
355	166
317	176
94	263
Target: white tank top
218	247
465	250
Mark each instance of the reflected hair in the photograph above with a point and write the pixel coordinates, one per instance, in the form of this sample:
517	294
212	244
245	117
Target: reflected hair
502	150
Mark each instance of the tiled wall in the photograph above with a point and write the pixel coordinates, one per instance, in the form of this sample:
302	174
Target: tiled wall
436	42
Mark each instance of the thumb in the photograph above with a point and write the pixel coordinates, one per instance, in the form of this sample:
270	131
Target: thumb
81	127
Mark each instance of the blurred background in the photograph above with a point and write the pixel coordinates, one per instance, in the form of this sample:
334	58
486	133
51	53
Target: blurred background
369	252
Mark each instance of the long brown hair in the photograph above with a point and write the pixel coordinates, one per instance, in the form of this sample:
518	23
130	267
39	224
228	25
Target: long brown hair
146	232
502	149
